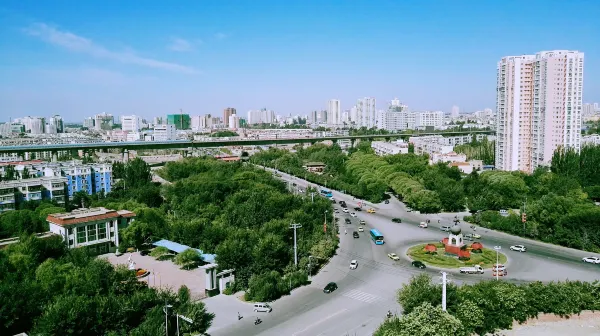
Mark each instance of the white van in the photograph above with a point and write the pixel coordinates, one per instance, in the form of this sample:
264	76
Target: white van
262	307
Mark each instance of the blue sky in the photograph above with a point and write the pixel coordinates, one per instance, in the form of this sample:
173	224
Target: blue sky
151	59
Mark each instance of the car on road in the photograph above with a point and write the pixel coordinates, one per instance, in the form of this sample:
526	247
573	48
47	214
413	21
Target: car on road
418	264
300	190
498	268
293	184
445	228
345	210
591	260
371	210
408	210
361	229
476	236
333	201
423	225
386	202
330	287
397	220
353	214
337	211
471	270
357	209
468	236
262	307
353	264
355	234
519	248
347	221
393	256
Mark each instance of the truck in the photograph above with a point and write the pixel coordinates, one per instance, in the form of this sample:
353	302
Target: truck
472	270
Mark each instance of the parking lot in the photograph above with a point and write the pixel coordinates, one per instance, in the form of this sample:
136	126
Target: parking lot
164	274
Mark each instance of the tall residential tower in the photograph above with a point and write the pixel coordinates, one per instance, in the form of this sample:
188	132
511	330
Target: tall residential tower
538	104
334	112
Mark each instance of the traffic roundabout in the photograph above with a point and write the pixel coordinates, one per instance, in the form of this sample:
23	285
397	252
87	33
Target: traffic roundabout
434	254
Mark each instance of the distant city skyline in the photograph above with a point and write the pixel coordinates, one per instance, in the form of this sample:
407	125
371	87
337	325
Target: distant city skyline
290	59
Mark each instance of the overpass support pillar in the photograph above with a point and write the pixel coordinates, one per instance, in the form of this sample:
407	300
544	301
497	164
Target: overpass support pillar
54	156
125	155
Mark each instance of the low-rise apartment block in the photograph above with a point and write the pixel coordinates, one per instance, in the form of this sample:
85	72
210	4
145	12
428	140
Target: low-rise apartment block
97	229
389	148
33	189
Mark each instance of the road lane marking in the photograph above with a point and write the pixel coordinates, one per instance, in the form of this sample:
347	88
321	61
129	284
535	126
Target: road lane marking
361	296
319	322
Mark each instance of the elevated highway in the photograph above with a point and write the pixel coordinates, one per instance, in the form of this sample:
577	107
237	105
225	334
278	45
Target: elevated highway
189	144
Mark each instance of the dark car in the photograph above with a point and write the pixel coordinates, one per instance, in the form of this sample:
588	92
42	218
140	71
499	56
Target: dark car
418	264
396	220
333	201
355	234
357	209
342	202
293	184
330	287
387	202
144	252
348	221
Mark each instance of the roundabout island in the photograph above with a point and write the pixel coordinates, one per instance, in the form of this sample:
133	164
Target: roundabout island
453	253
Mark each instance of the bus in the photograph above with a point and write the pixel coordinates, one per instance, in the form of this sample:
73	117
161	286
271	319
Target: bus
326	193
377	237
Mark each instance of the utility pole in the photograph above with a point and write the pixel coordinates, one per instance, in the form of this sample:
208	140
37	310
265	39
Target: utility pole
312	197
295	227
444	281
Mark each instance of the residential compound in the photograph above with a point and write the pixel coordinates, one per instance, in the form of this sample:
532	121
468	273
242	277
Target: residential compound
441	149
31	189
97	229
37	180
383	148
539	106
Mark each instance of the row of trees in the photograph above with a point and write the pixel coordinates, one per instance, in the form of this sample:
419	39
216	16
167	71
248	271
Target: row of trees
484	307
49	290
558	209
483	150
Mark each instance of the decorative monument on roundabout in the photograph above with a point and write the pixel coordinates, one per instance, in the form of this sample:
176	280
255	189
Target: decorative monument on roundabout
454	244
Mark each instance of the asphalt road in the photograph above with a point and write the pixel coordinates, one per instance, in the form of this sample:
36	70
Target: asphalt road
365	295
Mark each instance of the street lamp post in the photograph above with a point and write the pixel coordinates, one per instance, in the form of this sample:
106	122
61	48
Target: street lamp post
187	319
497	248
166	310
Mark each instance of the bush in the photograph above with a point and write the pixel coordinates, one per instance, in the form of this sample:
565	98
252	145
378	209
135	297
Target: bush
265	287
189	259
159	252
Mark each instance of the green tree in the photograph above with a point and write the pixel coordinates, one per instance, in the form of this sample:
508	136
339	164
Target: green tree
189	259
424	320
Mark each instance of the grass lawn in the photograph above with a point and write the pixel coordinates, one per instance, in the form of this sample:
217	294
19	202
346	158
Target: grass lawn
485	259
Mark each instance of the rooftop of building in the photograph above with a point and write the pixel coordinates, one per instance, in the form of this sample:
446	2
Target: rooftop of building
33	180
83	215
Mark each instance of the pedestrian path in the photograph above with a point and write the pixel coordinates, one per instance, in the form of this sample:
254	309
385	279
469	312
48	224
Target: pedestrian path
362	296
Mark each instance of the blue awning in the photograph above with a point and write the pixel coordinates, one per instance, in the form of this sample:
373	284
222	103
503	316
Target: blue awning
178	248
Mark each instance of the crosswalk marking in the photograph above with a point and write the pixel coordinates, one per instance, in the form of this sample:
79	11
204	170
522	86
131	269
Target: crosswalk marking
361	296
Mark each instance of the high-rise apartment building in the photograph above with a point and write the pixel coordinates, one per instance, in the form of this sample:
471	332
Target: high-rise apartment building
57	122
228	112
165	132
455	111
539	105
366	113
333	112
103	121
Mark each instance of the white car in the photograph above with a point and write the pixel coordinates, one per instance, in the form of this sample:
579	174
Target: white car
519	248
345	210
353	214
353	264
360	229
393	256
591	260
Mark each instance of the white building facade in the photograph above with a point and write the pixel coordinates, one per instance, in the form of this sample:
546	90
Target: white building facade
164	132
334	112
539	107
131	123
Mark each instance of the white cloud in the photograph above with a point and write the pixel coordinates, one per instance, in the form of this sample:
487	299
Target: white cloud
220	36
83	45
179	44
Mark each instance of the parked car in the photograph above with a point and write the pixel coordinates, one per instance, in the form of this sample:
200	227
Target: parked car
353	214
144	252
361	229
519	248
330	287
357	209
355	234
262	307
345	210
353	264
445	228
418	264
468	236
408	210
397	220
393	256
423	225
591	260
